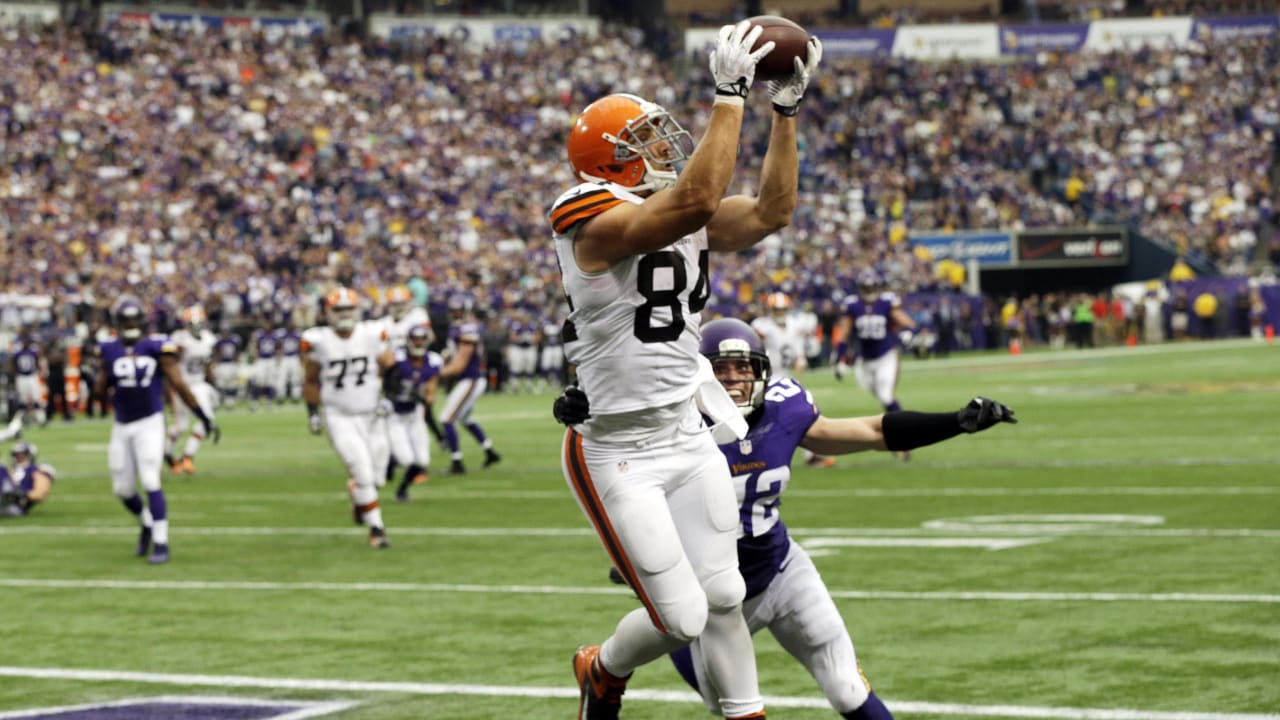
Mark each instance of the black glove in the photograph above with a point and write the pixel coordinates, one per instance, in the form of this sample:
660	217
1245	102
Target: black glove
211	431
981	413
571	408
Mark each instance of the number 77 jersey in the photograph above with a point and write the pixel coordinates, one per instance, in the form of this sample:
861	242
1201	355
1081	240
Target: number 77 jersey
349	378
633	330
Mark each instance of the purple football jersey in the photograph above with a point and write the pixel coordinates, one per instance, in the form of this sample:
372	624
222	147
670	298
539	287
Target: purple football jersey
265	344
872	325
134	377
469	332
761	468
227	350
26	358
289	341
415	377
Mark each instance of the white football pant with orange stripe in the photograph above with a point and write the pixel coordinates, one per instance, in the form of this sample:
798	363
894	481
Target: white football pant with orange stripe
666	512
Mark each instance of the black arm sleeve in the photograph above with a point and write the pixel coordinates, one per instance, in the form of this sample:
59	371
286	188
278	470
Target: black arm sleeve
907	430
392	379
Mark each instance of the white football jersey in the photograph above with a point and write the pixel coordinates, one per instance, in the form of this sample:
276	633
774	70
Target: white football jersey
197	351
349	379
398	330
782	343
634	329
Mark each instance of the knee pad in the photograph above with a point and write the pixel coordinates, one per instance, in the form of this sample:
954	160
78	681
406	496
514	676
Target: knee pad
725	590
686	618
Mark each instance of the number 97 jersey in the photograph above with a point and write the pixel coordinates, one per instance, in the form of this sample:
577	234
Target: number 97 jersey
349	377
633	330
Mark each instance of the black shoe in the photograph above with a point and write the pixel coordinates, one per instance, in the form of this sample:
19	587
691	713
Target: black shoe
491	457
378	538
402	495
457	468
159	555
615	577
144	542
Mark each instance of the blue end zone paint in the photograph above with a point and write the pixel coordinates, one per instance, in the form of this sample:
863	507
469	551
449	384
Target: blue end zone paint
184	708
143	710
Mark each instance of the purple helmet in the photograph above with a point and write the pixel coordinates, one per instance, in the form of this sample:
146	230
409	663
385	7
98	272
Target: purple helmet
869	282
417	341
130	319
730	338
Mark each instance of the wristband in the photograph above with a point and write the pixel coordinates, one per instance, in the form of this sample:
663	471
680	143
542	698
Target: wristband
907	430
786	110
733	100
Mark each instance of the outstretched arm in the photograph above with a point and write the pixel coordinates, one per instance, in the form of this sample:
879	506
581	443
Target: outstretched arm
902	429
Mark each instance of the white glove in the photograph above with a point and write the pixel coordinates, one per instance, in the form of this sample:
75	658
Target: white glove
733	65
842	369
315	424
787	94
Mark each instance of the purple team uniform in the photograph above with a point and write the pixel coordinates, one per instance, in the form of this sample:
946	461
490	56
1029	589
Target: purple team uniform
133	374
414	379
761	468
872	335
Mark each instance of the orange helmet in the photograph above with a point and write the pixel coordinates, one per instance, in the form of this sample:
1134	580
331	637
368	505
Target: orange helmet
194	318
343	306
777	301
630	141
398	300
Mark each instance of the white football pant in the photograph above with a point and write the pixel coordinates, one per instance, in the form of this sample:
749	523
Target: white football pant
407	433
880	376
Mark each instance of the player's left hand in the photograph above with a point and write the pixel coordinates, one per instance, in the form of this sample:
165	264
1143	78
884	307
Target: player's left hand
981	413
787	94
315	424
572	407
212	431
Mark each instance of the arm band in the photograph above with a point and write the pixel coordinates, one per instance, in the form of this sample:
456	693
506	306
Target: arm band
312	409
907	430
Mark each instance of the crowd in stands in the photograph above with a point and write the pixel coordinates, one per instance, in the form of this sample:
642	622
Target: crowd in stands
251	171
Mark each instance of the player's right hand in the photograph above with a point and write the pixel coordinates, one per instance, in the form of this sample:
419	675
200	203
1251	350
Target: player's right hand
841	368
733	65
572	407
315	424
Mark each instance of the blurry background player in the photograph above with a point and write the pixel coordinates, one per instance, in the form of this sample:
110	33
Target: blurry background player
133	367
407	427
287	383
795	605
403	314
265	347
872	320
29	371
26	485
551	351
195	345
784	345
345	366
522	352
226	368
465	366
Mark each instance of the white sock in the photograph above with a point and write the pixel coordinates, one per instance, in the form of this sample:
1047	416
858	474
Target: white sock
373	518
160	532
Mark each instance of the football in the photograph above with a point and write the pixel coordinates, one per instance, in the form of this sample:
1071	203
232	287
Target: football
790	41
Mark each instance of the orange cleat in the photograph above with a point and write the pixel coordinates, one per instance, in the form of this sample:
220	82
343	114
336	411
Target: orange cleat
601	693
187	465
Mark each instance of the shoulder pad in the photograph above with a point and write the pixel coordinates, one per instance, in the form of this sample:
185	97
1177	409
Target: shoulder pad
581	203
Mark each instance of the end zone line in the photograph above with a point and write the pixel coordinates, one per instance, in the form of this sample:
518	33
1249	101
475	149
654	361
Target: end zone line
49	583
413	688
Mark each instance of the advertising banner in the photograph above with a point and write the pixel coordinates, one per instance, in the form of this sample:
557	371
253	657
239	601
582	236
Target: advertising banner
856	43
1078	247
1125	34
14	13
196	19
484	31
989	249
1230	29
943	42
1032	39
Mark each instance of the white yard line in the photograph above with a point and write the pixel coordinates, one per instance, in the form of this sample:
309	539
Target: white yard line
123	528
270	586
636	694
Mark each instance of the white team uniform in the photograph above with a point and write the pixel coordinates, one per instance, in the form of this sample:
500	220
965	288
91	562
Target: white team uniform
350	391
783	343
644	469
398	330
197	352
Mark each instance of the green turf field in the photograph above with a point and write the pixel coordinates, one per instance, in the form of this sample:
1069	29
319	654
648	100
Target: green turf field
1114	556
